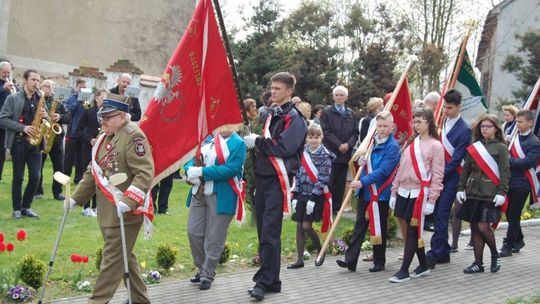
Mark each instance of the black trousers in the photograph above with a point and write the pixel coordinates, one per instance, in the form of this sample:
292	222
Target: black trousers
513	215
2	151
164	189
336	185
73	157
57	160
269	211
360	229
24	154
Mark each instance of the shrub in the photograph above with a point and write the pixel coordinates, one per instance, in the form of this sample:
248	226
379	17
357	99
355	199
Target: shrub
166	256
32	271
226	254
348	235
392	227
99	257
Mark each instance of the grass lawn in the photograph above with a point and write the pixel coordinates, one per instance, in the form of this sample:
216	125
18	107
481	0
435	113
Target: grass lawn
82	236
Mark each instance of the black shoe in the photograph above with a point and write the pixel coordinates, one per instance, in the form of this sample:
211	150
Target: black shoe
474	268
59	197
399	277
321	261
420	271
29	213
506	250
430	262
444	259
295	265
205	285
428	226
258	293
495	264
344	264
196	279
517	246
376	268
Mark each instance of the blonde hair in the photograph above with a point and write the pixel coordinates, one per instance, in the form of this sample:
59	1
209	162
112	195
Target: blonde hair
385	115
374	103
510	109
305	109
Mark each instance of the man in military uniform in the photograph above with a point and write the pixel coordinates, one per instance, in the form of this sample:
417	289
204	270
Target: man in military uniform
122	148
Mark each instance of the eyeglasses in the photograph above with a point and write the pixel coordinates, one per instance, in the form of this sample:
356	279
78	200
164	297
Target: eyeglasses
101	118
486	126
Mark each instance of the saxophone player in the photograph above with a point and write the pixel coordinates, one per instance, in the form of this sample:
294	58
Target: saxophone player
60	116
17	117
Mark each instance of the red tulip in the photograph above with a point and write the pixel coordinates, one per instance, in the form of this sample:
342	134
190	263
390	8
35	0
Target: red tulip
75	258
2	247
1	237
10	247
85	259
21	235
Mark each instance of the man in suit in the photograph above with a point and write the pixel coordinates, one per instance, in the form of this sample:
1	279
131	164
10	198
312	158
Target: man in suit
134	106
17	116
455	137
123	148
340	128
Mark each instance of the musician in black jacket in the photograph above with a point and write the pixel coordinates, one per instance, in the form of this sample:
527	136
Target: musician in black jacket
61	116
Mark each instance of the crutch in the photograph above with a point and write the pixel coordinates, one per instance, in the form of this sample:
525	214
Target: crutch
66	181
115	180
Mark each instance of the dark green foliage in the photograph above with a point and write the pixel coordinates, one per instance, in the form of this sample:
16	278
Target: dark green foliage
166	256
32	271
99	257
525	66
226	254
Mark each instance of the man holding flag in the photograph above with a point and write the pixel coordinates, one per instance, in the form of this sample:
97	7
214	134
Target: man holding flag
278	159
455	137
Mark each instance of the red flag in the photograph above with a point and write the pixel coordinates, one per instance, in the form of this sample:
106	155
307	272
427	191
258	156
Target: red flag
402	112
195	96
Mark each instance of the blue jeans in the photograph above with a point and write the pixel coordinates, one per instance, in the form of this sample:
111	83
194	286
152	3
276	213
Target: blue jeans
23	153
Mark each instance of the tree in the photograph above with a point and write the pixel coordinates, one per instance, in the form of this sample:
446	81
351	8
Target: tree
526	66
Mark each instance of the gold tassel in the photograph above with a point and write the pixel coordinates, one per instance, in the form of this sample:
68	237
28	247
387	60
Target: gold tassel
367	215
375	240
421	243
414	222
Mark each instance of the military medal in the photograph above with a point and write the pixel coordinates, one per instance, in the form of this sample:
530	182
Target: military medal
108	147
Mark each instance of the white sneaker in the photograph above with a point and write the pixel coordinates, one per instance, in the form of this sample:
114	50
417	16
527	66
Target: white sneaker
87	212
94	213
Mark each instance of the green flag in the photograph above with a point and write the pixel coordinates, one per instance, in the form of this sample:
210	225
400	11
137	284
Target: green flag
473	104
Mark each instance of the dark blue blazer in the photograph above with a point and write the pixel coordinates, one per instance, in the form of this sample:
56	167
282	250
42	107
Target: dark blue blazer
531	147
460	138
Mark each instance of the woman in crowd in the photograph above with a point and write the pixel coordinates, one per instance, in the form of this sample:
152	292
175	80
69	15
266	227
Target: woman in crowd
482	188
374	106
509	114
416	188
88	130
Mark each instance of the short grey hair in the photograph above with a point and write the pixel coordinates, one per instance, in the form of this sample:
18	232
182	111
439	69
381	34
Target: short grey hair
341	88
5	63
433	97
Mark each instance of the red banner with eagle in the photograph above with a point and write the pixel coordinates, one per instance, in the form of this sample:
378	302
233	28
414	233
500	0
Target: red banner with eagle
196	95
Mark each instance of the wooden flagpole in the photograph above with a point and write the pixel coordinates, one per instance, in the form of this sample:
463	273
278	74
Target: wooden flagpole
364	149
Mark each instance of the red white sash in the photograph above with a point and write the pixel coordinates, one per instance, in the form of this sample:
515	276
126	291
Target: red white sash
449	149
517	152
372	211
283	178
113	194
489	166
425	181
222	151
313	174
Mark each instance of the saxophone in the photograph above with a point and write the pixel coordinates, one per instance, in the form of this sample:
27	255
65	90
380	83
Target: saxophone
39	122
54	130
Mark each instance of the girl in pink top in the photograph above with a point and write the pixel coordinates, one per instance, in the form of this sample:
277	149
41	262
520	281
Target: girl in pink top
416	188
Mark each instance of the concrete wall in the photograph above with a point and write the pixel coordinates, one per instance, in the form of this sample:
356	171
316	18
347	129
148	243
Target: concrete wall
95	32
517	17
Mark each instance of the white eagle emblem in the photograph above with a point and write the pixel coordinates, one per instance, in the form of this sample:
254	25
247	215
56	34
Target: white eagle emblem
164	92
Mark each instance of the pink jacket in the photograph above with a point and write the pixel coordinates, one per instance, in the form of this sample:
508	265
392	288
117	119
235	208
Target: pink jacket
433	156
